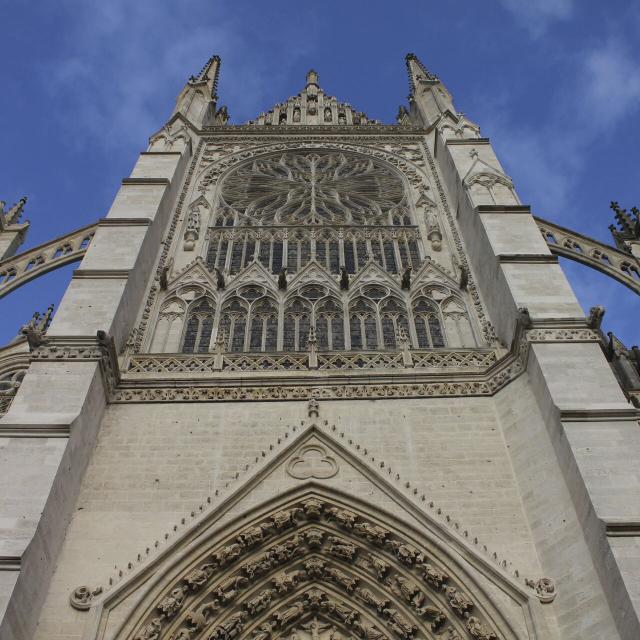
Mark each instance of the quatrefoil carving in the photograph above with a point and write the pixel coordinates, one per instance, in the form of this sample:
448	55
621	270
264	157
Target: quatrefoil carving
312	461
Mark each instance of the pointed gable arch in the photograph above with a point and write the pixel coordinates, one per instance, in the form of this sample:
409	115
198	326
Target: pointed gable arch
313	552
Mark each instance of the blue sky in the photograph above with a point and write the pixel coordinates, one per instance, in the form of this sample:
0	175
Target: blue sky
554	83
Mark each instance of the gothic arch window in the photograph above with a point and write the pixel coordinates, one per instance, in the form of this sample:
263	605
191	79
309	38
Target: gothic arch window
428	324
393	317
363	328
199	326
297	320
169	326
329	324
233	323
249	321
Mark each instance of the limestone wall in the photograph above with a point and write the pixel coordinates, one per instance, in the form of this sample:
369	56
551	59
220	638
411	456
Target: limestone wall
154	464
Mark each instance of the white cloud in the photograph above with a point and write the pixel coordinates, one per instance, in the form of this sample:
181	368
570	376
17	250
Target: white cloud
125	62
537	15
612	83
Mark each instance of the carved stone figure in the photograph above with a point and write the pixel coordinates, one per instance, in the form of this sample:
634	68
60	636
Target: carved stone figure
341	611
228	589
373	633
372	532
341	578
435	615
261	564
405	588
405	282
315	567
286	517
327	114
199	576
379	566
404	552
230	628
228	554
366	595
400	624
256	534
478	630
171	604
263	632
434	576
289	614
284	582
341	548
314	538
287	549
459	602
314	599
150	631
260	602
343	517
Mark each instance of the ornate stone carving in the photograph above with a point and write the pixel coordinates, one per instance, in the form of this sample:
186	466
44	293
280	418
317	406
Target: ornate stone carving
434	576
379	566
343	517
545	589
312	461
342	548
372	532
459	602
81	597
315	556
479	631
313	508
341	578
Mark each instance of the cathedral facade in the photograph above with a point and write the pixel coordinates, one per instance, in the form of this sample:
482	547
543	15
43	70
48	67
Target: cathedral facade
317	378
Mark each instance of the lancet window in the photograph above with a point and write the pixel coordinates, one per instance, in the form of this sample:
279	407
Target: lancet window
249	321
199	327
428	324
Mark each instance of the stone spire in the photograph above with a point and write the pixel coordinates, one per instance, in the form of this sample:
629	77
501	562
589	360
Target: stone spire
197	101
12	231
429	98
627	234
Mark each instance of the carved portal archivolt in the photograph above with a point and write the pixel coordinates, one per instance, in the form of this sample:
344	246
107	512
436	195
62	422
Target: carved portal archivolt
315	569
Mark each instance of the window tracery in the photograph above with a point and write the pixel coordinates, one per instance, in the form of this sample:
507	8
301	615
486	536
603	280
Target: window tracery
199	326
249	321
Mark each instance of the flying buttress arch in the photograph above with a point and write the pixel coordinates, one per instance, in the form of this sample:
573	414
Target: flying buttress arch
618	265
25	266
315	568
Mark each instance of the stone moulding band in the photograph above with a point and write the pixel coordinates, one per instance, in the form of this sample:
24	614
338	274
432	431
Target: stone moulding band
340	385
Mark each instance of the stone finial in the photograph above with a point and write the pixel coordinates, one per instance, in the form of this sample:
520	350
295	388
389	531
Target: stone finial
13	214
312	77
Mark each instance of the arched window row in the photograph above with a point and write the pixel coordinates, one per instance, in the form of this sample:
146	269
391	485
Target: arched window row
394	250
371	319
